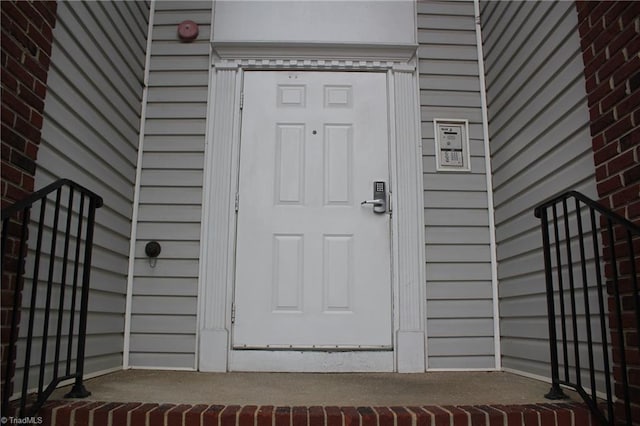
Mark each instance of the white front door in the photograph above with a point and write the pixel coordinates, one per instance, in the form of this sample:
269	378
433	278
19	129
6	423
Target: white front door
312	263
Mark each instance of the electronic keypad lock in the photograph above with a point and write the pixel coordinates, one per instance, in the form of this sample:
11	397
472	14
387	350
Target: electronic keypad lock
379	201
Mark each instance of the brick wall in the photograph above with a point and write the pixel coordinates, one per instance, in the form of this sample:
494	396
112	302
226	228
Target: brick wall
610	41
26	50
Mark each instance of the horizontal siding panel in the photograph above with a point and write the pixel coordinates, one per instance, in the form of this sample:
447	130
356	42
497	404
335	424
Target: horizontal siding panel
523	285
179	78
515	225
178	49
164	305
451	290
526	306
448	67
522	265
173	143
543	80
536	350
169	213
554	159
569	175
164	343
178	94
107	302
459	308
167	267
108	281
457	253
429	112
90	135
538	368
171	189
444	8
171	195
535	122
558	24
460	328
452	217
181	6
461	362
102	362
458	271
536	328
444	37
92	57
171	178
162	360
129	46
457	199
450	83
163	286
168	32
449	52
124	115
163	17
540	146
458	346
178	324
454	181
565	126
446	22
173	249
179	161
97	322
175	127
456	235
169	231
176	110
449	99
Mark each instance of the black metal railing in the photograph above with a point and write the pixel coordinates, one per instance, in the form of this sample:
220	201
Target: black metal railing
592	294
46	259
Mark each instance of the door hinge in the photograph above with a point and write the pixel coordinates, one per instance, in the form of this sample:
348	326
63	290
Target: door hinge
233	314
241	100
237	201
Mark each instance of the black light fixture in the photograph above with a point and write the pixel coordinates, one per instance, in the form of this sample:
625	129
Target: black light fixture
152	250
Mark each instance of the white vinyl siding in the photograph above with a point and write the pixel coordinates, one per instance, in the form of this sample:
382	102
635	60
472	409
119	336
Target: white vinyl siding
540	146
90	135
459	312
164	302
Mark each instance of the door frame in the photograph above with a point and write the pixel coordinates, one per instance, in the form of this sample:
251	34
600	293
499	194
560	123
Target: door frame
218	232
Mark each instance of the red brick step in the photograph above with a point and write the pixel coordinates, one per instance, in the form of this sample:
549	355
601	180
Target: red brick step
86	413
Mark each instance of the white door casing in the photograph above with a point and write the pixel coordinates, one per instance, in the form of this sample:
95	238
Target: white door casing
217	271
312	263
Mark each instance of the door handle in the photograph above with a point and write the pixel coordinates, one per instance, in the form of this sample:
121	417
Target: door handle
379	202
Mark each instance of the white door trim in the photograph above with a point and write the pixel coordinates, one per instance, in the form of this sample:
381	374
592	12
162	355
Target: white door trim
218	233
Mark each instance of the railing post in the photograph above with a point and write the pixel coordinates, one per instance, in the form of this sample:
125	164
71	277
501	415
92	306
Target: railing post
556	391
78	390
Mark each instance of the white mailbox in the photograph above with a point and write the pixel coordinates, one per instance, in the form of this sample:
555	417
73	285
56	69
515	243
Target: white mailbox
452	145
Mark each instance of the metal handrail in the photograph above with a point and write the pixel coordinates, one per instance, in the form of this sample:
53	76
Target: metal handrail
565	269
68	272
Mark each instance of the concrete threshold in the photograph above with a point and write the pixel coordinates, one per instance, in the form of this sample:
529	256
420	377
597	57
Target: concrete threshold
309	389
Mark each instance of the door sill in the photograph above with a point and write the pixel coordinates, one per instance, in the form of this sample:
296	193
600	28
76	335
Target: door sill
299	361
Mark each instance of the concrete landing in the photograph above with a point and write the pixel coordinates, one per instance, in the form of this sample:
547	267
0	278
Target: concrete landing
308	389
171	398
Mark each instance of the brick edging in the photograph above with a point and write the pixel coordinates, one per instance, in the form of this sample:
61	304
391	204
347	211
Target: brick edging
66	413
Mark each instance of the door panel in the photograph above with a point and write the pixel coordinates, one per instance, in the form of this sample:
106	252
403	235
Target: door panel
312	263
